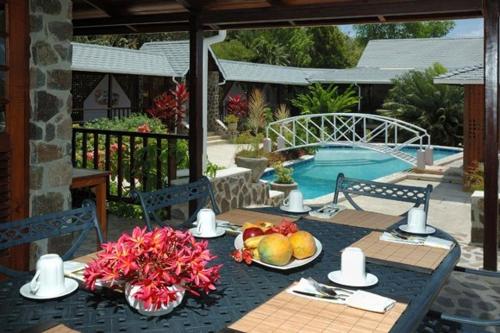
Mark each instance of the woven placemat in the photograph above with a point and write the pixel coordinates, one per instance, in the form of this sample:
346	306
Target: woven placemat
362	219
240	216
425	257
60	329
288	313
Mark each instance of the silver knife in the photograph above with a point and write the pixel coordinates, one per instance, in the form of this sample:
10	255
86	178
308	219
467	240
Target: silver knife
318	295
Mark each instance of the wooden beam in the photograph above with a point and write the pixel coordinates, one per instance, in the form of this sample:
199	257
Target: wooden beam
195	77
491	57
342	10
194	5
108	10
132	20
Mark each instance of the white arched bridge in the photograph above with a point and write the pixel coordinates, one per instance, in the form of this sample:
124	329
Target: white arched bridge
383	134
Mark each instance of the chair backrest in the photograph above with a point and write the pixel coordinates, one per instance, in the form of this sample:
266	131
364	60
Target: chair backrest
25	231
412	194
154	202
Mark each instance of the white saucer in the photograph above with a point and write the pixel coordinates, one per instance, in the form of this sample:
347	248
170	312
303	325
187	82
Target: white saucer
285	208
71	285
219	232
428	230
337	277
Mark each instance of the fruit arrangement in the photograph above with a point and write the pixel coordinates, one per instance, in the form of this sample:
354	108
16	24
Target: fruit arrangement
274	245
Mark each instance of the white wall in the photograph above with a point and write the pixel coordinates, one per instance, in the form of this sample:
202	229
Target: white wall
96	103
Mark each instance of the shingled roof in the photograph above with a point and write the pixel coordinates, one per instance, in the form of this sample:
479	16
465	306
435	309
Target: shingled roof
452	53
119	60
463	76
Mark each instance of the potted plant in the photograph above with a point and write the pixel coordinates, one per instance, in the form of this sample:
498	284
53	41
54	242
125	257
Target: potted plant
252	157
232	122
284	181
154	268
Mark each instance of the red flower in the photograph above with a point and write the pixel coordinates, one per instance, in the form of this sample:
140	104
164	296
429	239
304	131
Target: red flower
153	261
113	148
90	156
144	128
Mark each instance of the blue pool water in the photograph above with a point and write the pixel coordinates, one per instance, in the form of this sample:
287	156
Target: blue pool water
316	177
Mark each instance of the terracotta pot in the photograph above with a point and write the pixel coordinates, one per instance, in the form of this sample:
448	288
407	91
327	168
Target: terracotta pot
285	188
130	291
257	165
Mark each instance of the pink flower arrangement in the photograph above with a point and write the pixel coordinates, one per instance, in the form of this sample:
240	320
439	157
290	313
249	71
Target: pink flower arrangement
154	261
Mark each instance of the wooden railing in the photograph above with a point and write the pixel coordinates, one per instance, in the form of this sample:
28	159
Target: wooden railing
143	161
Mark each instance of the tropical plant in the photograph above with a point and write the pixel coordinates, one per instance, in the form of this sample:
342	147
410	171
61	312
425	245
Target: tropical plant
170	107
437	108
237	105
211	169
256	111
283	174
282	112
154	261
474	177
251	150
247	138
320	99
231	119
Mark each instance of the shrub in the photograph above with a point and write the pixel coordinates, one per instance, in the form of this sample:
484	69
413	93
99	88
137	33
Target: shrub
283	174
437	108
247	138
237	105
231	119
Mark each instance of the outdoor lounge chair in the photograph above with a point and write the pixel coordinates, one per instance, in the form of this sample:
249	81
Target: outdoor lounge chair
154	202
360	187
28	230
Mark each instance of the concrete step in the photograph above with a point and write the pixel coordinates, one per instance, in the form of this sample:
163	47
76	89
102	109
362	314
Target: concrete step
214	137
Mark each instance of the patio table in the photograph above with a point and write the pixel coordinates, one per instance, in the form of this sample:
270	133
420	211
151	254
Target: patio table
240	289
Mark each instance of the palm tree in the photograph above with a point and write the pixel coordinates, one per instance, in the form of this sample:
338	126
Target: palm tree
436	108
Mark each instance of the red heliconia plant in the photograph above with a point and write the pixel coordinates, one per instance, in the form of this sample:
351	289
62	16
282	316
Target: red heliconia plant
170	107
155	261
237	105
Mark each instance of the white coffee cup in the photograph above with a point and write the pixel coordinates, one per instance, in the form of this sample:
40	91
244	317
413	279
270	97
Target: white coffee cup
416	220
207	225
49	277
353	266
295	201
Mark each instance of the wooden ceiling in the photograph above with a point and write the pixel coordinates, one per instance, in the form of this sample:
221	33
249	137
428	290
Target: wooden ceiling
129	16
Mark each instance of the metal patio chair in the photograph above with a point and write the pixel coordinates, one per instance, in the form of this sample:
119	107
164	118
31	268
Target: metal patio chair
360	187
154	202
28	230
468	323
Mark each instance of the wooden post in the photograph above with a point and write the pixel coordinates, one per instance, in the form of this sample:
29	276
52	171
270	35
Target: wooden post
195	101
491	10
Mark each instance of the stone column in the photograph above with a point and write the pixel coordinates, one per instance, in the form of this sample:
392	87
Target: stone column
213	100
51	32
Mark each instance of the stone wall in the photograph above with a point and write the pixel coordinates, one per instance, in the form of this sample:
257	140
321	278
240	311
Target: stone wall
51	32
233	188
477	219
213	101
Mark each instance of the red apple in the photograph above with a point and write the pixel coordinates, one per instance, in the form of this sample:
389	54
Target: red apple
252	232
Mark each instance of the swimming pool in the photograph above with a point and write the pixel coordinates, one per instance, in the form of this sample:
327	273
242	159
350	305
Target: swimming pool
316	177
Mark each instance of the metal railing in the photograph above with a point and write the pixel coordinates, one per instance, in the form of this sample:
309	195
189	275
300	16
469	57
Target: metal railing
383	134
143	161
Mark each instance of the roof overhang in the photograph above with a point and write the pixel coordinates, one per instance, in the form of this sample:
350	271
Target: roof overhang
142	16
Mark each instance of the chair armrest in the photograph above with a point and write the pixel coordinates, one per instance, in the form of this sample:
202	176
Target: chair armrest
470	321
477	272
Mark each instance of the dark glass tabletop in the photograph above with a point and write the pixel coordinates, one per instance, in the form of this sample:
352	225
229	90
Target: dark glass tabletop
241	289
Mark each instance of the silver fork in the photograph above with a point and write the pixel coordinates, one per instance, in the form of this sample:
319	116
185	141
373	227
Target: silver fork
327	290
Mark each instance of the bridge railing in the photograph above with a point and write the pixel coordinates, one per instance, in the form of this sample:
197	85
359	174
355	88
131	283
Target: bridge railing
376	132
